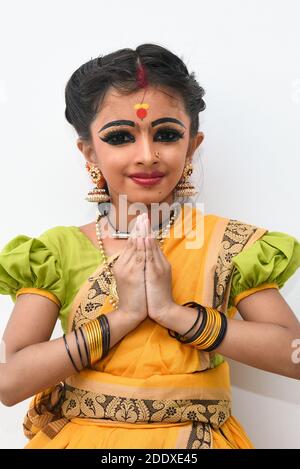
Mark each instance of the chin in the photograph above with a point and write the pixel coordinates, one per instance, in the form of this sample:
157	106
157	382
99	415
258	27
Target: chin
147	199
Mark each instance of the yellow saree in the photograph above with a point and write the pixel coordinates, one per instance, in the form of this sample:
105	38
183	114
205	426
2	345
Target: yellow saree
152	391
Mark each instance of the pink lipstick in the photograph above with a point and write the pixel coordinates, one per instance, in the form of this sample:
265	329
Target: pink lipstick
147	181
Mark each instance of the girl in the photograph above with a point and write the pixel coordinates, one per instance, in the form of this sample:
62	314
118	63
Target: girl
146	302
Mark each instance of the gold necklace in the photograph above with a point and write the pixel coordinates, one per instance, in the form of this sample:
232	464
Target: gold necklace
159	235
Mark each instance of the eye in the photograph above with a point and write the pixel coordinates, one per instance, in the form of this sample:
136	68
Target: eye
169	135
114	137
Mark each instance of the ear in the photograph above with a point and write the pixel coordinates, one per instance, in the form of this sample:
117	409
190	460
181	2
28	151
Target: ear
194	144
87	150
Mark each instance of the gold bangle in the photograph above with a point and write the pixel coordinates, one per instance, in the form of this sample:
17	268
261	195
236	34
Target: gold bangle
94	334
89	340
94	337
99	343
215	332
212	330
208	328
98	340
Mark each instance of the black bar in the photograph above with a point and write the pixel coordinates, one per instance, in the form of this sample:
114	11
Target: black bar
138	457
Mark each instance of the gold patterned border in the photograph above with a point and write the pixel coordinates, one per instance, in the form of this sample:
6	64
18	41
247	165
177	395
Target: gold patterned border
200	436
86	404
236	237
96	293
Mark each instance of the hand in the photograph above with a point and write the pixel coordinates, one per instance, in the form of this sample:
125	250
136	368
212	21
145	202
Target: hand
158	277
129	273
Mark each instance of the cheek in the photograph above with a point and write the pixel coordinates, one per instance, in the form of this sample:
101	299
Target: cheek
114	171
113	164
173	160
174	178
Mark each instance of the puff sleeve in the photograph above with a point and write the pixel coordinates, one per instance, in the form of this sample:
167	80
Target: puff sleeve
29	265
267	263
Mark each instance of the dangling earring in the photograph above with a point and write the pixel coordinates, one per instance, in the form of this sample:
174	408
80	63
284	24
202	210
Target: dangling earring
98	194
184	187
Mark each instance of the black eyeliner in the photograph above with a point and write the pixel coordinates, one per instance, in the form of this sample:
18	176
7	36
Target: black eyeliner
115	132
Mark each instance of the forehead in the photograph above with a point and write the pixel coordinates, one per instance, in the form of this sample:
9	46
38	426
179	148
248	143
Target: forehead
160	101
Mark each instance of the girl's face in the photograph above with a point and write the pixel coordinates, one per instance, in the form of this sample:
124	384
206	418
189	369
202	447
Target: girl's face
120	149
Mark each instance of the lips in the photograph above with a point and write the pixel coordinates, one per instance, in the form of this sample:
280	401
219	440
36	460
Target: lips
154	174
147	179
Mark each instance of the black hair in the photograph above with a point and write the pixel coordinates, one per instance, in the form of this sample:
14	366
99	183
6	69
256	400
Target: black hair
87	86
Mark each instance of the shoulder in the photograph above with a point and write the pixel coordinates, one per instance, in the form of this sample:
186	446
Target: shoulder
33	263
230	220
66	241
60	239
87	229
225	219
237	234
58	233
268	263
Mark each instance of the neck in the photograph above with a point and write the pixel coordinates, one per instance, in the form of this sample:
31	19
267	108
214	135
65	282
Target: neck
119	219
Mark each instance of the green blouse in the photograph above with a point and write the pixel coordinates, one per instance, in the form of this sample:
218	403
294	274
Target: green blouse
60	260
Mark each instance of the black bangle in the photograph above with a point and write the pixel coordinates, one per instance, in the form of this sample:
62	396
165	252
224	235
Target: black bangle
103	334
201	327
177	336
69	353
78	347
105	331
221	334
86	347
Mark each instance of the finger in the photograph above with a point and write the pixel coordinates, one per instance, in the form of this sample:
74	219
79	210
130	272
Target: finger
162	257
142	225
129	260
137	228
154	249
148	249
140	251
128	251
147	225
159	250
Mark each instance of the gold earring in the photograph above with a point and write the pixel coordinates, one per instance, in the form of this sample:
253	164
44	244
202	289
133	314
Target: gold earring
98	194
184	187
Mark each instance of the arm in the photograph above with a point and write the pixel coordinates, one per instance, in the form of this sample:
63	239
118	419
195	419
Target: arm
263	340
33	361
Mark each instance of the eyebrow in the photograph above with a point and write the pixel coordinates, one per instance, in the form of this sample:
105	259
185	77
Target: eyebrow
132	124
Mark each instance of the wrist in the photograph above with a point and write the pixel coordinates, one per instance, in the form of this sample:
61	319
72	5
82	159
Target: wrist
169	316
184	319
132	320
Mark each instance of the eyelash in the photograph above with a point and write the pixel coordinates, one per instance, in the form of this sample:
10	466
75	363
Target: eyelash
116	133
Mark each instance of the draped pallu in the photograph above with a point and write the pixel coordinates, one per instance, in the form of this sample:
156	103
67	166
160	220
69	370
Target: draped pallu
168	394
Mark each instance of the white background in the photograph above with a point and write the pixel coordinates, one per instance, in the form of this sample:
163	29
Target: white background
246	55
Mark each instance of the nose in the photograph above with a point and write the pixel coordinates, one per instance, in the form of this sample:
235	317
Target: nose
145	153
